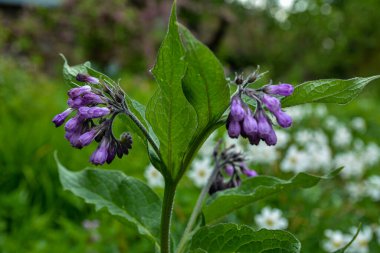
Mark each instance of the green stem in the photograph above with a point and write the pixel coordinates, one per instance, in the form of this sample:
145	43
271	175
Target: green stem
197	208
166	214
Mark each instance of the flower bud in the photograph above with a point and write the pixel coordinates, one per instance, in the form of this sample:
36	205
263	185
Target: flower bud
249	124
111	152
281	89
237	111
234	129
271	138
100	155
73	124
93	112
76	92
272	103
283	119
249	173
87	79
254	139
263	125
60	118
229	169
86	138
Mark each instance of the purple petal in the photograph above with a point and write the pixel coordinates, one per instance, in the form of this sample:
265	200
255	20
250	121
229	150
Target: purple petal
60	118
93	112
100	155
281	89
237	111
283	119
87	79
76	92
234	129
86	138
272	103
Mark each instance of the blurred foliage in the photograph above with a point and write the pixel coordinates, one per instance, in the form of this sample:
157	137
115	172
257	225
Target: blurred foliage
317	39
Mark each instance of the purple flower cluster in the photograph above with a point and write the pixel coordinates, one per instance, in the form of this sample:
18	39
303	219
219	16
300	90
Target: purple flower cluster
95	113
233	166
258	126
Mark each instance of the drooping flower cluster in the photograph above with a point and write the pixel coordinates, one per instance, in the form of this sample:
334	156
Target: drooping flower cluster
232	165
96	107
257	125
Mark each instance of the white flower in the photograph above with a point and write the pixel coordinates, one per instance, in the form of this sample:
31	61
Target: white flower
358	124
319	156
303	137
282	138
320	110
200	172
299	112
263	154
335	240
371	154
271	219
372	185
353	165
236	142
331	122
154	177
377	232
360	245
295	160
356	190
342	137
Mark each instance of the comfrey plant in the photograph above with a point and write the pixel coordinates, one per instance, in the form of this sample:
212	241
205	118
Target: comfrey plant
192	100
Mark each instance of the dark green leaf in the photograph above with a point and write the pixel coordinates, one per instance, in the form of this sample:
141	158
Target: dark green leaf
204	85
125	197
255	189
171	116
342	250
70	72
241	238
328	91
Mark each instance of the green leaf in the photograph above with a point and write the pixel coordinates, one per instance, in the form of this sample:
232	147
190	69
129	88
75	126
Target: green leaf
125	197
70	72
327	91
255	189
241	238
204	85
342	250
171	116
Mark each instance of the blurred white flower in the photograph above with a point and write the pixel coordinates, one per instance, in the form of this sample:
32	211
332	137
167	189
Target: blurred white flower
299	112
377	232
263	154
342	137
331	122
236	142
303	137
371	154
200	171
335	240
358	124
295	160
320	110
282	138
356	190
353	165
320	156
154	177
372	185
271	219
360	245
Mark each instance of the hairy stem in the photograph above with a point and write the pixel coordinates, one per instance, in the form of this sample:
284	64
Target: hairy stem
143	129
197	209
166	214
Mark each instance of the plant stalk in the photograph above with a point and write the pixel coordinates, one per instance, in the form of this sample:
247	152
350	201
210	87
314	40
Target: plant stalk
166	214
197	209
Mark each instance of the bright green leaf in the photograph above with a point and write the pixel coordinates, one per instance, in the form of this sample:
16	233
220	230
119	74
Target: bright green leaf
204	85
70	72
171	116
255	189
125	197
241	238
327	91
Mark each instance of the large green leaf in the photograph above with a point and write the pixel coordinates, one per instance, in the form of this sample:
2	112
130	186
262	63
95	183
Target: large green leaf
241	238
171	116
204	86
255	189
125	197
327	91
